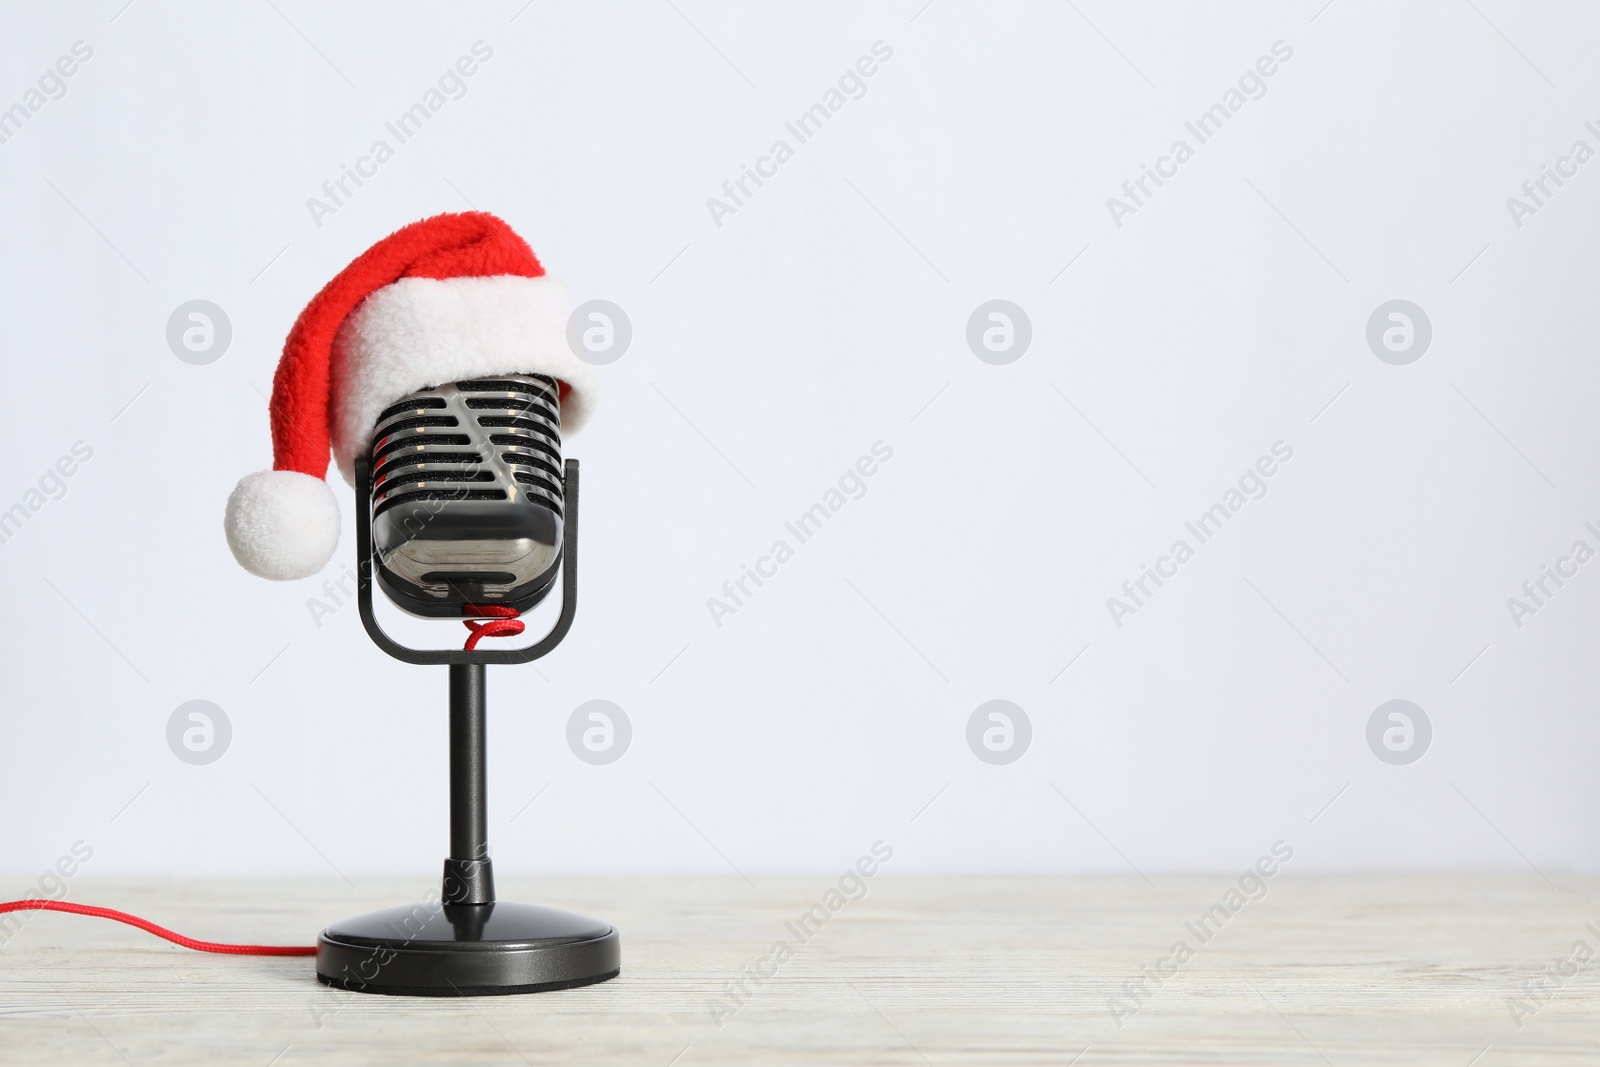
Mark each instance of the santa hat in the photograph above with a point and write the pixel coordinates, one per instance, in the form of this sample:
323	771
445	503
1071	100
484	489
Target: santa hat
446	299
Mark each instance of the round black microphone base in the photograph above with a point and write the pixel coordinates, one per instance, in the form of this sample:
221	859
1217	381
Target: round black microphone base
467	950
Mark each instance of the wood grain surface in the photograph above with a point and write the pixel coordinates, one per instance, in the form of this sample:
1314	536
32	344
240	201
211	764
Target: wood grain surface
1452	971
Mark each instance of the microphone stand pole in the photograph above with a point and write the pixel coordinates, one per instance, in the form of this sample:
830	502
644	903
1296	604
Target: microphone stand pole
468	877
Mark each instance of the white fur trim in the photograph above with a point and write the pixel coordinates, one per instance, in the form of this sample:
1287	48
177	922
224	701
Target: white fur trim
282	524
421	332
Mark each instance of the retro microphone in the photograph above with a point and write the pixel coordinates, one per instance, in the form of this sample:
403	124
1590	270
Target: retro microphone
436	368
466	495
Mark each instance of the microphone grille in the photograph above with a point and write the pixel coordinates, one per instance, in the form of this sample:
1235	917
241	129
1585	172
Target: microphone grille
467	488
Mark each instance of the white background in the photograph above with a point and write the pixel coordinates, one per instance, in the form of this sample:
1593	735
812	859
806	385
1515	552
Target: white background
770	353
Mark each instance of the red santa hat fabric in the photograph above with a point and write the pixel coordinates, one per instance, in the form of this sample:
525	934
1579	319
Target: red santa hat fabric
452	297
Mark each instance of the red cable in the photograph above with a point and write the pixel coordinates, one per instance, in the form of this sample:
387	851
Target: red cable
159	931
503	622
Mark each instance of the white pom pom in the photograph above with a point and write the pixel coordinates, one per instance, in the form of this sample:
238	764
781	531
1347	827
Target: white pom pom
282	524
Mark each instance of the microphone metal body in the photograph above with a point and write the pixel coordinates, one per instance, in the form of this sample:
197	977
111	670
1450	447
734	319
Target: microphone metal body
467	495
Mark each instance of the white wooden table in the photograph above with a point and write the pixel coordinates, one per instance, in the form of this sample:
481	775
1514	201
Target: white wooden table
1340	971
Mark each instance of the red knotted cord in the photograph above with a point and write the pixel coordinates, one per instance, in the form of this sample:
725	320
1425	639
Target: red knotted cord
503	622
159	931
